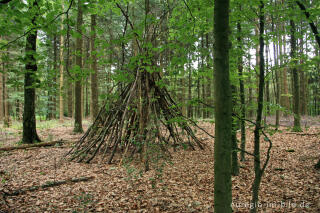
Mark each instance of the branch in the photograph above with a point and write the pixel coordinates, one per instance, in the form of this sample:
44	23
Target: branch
312	25
26	146
268	153
248	153
267	138
185	3
48	184
130	23
194	19
37	27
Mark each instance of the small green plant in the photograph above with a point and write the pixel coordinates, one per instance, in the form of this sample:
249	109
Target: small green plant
3	181
133	173
85	200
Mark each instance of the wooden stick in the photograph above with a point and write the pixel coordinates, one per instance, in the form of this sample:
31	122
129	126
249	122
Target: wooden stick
26	146
302	134
46	185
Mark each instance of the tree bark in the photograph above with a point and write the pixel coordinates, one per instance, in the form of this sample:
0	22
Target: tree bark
29	134
234	154
6	106
223	109
61	87
277	84
94	74
296	86
242	92
258	172
1	88
190	107
70	92
52	80
312	25
78	86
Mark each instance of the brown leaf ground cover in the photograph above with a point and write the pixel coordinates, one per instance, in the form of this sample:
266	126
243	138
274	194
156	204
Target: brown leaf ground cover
290	183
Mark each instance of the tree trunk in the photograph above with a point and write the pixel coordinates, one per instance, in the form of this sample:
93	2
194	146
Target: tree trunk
190	106
242	93
51	81
284	87
78	86
7	121
61	111
94	74
223	109
234	162
277	89
70	92
70	99
1	88
257	167
250	110
29	134
296	95
303	82
209	79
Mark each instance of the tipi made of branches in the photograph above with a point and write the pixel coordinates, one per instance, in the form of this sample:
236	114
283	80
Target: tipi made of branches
143	120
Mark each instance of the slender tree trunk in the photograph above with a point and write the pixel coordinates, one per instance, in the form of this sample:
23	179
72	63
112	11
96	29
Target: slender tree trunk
86	64
234	161
223	109
277	74
285	102
250	110
190	108
242	93
257	66
202	87
70	92
257	167
51	83
94	74
303	82
296	98
29	134
70	99
61	87
209	79
268	101
78	86
1	89
198	97
7	121
183	93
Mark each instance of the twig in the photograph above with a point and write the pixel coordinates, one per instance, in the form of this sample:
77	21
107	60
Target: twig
26	146
194	19
311	23
44	186
130	23
303	134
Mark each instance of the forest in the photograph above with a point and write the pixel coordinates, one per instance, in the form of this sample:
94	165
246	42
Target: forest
159	106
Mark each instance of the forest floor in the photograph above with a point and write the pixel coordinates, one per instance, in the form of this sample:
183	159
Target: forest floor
290	183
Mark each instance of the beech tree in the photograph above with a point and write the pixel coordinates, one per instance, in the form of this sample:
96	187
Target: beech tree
223	109
79	65
29	134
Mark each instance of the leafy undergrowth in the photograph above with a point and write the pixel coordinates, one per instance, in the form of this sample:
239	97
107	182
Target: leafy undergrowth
290	184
